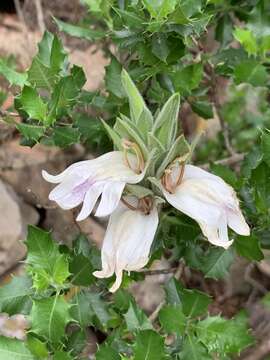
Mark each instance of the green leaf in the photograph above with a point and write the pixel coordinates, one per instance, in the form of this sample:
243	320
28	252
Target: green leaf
265	146
224	336
136	318
113	77
136	102
188	78
161	8
79	31
79	264
226	174
192	349
194	302
14	77
47	265
31	132
106	352
247	40
261	187
90	309
172	319
65	94
49	317
13	349
203	109
180	149
65	136
252	72
165	126
249	247
173	290
33	105
15	296
37	347
61	355
149	345
160	47
217	262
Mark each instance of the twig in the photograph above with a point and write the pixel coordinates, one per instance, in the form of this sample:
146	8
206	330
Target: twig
259	352
250	280
8	113
21	17
40	16
234	159
158	271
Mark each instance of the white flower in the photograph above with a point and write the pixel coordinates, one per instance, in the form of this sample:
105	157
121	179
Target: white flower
84	181
207	199
127	242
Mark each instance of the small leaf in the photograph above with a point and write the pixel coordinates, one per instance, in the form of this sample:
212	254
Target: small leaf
79	31
61	355
49	317
172	319
194	302
33	105
105	352
265	146
188	78
203	109
31	132
37	347
160	46
113	135
252	72
249	247
165	126
14	77
192	349
13	349
217	263
149	345
47	265
136	318
65	136
247	40
113	78
15	296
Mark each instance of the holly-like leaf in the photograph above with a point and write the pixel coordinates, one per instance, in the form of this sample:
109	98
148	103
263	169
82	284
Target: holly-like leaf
31	132
33	105
224	336
216	263
203	109
90	309
172	319
136	318
13	349
64	136
61	355
79	31
47	265
112	78
249	247
194	302
192	349
15	297
14	77
160	9
37	347
247	40
149	345
106	352
252	72
187	78
49	317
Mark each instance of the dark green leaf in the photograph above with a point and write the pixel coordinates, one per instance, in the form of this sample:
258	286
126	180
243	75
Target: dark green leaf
13	349
81	270
65	136
113	78
251	72
172	319
203	108
78	31
37	347
49	317
216	263
15	296
106	352
194	302
14	77
187	78
265	145
192	349
249	247
33	105
160	46
31	132
149	345
136	318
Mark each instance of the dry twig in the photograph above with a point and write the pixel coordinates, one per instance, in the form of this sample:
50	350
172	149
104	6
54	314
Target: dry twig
40	16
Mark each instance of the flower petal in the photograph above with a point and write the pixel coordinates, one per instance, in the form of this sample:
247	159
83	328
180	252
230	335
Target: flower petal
127	242
237	222
217	235
90	200
111	196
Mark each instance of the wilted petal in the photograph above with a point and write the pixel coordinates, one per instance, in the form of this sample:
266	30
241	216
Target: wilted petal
106	175
127	242
211	202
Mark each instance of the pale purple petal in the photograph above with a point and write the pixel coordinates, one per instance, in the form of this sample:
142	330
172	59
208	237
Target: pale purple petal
90	200
111	196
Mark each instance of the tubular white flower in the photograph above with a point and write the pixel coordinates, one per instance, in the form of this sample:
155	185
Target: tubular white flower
84	181
210	201
127	242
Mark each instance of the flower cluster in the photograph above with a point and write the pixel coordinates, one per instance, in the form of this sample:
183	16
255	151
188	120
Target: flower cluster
148	153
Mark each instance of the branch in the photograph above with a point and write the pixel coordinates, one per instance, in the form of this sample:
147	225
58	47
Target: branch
40	16
234	159
159	271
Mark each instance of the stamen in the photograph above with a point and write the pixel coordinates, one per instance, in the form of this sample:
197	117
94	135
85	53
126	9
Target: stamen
145	205
167	180
128	145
